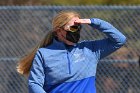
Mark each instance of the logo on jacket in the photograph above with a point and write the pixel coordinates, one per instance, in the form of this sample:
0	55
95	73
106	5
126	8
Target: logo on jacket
78	57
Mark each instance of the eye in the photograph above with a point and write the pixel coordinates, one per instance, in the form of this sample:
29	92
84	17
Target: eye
75	28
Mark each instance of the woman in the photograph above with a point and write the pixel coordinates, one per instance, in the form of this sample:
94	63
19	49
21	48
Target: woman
61	64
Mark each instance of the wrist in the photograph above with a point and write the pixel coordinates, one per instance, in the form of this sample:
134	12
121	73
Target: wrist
88	21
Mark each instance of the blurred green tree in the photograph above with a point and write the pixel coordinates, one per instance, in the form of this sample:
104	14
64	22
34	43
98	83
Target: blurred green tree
69	2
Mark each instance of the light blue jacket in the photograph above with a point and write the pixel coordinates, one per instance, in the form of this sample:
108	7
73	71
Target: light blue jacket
61	69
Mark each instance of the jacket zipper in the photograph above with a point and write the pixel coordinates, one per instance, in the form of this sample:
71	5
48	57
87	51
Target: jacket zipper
69	67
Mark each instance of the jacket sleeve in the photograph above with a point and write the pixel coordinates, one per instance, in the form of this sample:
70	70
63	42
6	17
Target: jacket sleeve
36	77
115	39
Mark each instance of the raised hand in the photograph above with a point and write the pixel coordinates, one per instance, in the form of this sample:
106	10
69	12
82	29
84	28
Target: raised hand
82	21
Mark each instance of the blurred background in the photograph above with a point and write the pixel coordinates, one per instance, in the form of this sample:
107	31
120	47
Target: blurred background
24	22
69	2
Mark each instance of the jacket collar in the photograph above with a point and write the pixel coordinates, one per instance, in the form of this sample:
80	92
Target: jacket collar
58	44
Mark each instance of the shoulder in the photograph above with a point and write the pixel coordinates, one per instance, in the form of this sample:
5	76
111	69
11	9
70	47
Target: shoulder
43	50
46	51
39	52
86	43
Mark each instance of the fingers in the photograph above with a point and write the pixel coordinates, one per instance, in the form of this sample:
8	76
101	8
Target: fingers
83	21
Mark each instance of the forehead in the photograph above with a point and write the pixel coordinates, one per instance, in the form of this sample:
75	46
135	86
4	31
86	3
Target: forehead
71	22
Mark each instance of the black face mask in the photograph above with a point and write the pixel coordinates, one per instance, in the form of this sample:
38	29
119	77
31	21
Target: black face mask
73	36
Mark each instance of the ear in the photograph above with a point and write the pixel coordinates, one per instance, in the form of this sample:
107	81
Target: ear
57	32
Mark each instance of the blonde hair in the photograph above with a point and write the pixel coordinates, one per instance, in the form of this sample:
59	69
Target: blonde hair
60	20
63	18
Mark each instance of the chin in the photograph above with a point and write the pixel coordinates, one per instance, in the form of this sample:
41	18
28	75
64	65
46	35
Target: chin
69	43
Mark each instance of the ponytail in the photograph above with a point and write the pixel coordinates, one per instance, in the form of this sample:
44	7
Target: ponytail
25	63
